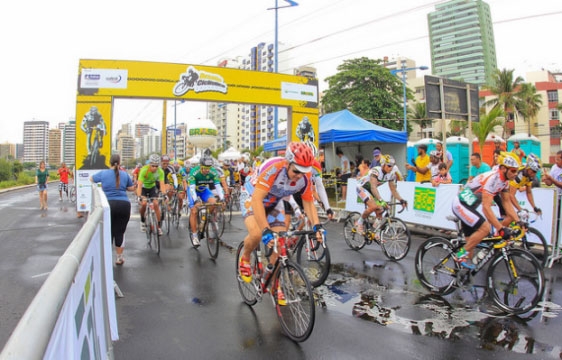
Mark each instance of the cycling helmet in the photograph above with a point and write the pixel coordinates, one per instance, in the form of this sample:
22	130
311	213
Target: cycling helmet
387	160
165	158
533	162
206	160
509	160
300	155
154	159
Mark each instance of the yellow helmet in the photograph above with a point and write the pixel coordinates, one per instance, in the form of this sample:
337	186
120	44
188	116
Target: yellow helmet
509	159
387	160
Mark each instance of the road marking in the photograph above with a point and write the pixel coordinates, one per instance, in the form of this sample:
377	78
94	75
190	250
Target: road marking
40	275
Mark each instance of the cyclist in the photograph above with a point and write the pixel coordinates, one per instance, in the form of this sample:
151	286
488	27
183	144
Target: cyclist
149	176
178	181
261	201
368	192
481	190
523	180
199	181
93	119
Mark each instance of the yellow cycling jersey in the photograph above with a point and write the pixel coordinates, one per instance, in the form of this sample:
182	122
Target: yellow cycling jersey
520	181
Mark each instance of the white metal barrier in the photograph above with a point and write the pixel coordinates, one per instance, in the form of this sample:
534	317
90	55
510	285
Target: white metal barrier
73	315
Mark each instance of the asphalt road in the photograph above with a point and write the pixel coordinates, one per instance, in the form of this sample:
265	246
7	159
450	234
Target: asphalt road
183	305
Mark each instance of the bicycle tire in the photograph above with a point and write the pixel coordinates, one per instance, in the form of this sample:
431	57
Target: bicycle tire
395	238
213	238
515	295
73	194
165	216
314	259
538	247
155	235
435	266
298	314
220	220
248	291
175	219
229	208
352	238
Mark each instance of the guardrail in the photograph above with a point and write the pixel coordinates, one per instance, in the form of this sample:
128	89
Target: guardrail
52	323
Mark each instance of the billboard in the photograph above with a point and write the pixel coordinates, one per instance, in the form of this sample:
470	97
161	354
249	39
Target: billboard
451	99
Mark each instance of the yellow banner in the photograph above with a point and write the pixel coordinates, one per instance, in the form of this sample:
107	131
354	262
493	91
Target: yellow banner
93	133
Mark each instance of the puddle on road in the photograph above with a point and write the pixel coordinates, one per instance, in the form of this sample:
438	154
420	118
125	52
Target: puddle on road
388	299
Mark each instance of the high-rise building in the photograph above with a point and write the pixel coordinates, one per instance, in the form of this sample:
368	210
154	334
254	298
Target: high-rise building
461	37
35	141
55	146
69	143
125	147
7	151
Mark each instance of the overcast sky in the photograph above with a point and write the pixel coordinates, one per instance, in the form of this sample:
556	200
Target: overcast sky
42	42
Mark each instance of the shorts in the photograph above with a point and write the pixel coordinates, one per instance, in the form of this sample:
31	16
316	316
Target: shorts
63	186
275	214
470	219
344	178
149	193
204	195
41	187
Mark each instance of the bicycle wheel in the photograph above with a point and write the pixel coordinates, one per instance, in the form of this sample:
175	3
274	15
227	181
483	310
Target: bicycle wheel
220	220
535	243
435	267
354	240
248	291
165	216
395	238
297	315
213	238
174	216
314	259
154	233
73	194
516	285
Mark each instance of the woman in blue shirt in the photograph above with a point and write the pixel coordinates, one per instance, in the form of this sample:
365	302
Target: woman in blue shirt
115	183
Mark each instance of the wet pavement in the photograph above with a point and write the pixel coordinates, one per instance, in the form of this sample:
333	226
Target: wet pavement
182	304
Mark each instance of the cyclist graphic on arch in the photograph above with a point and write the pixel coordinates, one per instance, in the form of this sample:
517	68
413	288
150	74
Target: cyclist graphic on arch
94	127
305	132
187	81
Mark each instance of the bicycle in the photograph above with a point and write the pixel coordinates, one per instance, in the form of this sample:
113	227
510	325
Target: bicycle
390	233
165	216
207	225
151	223
233	200
514	280
530	239
71	192
313	256
175	211
298	314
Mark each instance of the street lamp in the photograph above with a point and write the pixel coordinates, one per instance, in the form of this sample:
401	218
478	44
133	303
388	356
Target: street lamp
277	7
403	70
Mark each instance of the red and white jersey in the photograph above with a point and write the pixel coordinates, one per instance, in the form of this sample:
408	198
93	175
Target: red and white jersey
272	178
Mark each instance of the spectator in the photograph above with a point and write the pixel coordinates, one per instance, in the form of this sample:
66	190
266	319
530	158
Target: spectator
41	179
517	150
64	172
345	166
443	177
421	165
477	166
434	163
376	157
364	168
448	158
115	183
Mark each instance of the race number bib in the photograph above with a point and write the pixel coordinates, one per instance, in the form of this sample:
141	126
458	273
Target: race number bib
467	197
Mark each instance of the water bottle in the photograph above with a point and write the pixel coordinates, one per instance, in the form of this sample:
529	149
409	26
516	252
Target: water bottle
479	256
267	272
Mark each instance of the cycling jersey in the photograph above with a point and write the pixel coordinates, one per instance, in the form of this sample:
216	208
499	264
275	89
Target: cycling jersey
148	178
521	180
272	177
169	170
393	175
198	182
176	178
490	182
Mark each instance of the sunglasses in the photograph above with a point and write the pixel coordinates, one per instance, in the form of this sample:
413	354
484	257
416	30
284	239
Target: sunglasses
205	168
154	166
296	171
513	170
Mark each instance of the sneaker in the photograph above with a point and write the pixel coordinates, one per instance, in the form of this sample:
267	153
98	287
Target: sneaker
160	231
60	198
245	270
195	241
463	259
120	260
143	227
281	300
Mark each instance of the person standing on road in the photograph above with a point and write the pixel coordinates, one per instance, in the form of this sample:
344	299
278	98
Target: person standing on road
115	183
41	178
64	172
345	173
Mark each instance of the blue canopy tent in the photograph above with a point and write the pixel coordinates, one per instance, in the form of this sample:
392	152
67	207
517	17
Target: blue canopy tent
353	135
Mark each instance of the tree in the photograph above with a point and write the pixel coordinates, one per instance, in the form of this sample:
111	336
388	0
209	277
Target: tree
486	125
367	89
417	112
505	88
529	103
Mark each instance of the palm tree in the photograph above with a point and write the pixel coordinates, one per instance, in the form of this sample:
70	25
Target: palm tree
505	88
486	125
529	103
418	113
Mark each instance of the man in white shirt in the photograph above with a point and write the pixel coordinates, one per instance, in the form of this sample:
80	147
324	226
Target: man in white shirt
345	173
